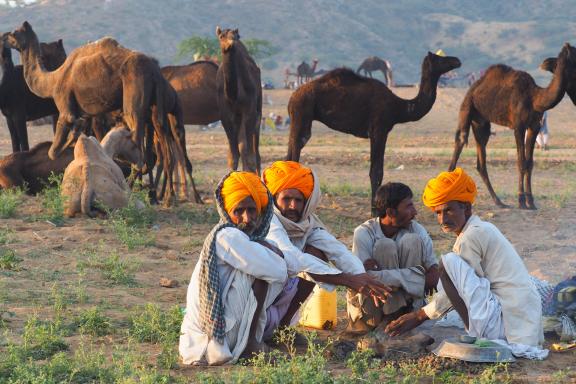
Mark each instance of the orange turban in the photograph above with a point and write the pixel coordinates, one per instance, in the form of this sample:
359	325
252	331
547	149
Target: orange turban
448	186
283	175
240	185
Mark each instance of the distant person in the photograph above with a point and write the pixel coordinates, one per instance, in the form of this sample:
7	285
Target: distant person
542	138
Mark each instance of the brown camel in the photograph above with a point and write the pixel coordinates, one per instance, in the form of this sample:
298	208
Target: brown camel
239	100
510	98
196	87
374	63
17	102
306	72
549	65
362	107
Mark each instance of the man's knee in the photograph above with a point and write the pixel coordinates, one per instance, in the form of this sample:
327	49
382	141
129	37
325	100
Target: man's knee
385	252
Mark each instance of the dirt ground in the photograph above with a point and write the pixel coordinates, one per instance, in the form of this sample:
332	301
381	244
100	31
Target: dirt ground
415	152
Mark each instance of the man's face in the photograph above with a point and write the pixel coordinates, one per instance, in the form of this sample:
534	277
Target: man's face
245	215
453	215
403	215
291	203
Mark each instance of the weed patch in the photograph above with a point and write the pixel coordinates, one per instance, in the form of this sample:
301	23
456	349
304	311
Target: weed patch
8	260
53	201
155	325
93	322
131	223
10	199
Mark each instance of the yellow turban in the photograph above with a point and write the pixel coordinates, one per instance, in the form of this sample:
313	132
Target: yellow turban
283	175
448	186
240	185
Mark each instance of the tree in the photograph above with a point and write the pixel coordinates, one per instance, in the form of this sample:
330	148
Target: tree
201	46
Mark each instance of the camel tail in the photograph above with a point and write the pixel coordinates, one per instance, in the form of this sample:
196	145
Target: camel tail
86	196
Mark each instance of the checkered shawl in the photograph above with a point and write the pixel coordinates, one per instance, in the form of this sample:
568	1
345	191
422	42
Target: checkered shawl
212	320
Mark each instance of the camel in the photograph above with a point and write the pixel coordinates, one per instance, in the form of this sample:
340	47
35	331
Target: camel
97	78
549	65
374	63
93	176
32	169
511	98
239	101
363	107
195	85
306	72
17	103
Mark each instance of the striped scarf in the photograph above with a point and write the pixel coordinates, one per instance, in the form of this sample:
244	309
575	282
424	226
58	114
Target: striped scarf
212	320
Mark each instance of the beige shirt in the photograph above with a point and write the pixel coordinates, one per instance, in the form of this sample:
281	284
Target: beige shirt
493	257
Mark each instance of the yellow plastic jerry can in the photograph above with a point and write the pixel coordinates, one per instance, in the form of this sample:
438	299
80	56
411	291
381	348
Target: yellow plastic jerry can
320	311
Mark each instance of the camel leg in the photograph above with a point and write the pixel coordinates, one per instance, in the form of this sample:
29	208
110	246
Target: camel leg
519	135
231	133
461	138
481	132
19	120
377	149
532	133
14	137
246	144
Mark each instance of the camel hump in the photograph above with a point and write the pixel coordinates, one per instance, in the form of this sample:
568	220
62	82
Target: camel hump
343	76
106	41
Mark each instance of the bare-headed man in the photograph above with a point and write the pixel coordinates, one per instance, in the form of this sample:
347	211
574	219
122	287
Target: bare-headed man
398	251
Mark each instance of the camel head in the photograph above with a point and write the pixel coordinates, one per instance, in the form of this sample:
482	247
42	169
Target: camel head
568	56
438	65
119	142
20	38
227	38
53	54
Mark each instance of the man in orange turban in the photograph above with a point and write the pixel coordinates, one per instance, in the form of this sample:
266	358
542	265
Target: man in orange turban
237	277
483	279
302	237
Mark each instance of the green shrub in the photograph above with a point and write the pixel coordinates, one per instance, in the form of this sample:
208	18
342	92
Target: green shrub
118	271
93	322
40	340
8	259
53	201
131	223
10	199
155	325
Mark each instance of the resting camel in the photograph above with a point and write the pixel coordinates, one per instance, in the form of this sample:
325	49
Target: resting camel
510	98
362	107
17	102
374	63
239	101
93	176
32	169
195	85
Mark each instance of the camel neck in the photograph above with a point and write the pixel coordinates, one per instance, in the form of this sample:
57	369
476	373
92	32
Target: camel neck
547	98
230	73
34	72
419	106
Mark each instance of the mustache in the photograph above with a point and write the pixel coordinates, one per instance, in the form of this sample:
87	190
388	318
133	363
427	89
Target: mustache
246	226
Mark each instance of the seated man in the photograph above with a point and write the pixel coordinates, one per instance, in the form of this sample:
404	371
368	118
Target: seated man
397	250
237	275
301	235
484	279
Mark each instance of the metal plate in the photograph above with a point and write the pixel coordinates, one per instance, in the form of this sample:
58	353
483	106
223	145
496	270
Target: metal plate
490	353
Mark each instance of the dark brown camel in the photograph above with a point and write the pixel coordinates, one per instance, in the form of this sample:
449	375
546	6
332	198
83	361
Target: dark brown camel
196	87
549	65
510	98
362	107
305	71
239	101
374	63
17	102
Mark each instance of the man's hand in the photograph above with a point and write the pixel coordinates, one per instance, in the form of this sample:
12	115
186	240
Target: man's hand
371	265
270	247
406	322
432	275
368	285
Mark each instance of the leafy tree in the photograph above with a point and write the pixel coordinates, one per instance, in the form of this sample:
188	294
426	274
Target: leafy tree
201	46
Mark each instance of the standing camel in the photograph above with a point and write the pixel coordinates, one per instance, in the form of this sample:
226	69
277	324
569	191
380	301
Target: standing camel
510	98
362	107
239	100
196	87
17	102
374	63
306	72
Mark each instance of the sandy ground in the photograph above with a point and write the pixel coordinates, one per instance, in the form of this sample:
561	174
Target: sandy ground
415	152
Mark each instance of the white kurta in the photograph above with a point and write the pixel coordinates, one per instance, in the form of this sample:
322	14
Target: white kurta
240	262
319	238
485	249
